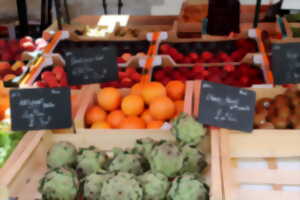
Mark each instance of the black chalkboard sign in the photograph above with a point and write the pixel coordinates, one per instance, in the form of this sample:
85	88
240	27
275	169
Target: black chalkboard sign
88	65
226	107
286	63
41	108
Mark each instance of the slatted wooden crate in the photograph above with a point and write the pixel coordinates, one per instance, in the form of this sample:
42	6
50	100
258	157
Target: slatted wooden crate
90	100
23	182
166	60
19	156
143	24
263	165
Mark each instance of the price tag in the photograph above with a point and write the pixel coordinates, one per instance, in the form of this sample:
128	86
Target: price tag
91	65
286	63
41	108
226	107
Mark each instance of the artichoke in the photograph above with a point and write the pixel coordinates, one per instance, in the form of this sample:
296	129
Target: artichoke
59	184
188	187
194	160
166	159
155	186
123	186
93	184
144	146
90	160
124	161
187	130
62	154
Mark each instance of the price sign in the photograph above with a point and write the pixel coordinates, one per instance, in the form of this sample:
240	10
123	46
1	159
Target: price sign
226	107
41	108
89	65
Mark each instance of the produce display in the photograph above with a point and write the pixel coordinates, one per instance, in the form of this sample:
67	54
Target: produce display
12	50
243	75
125	50
150	170
280	112
146	105
52	77
147	102
102	31
8	139
209	52
128	76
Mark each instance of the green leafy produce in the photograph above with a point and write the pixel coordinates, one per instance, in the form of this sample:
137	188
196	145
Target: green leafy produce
8	141
187	130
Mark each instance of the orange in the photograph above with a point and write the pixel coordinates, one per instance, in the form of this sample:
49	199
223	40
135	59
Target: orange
94	114
132	105
155	124
162	108
146	116
4	102
100	125
179	106
152	90
109	98
133	122
2	115
115	118
175	90
137	89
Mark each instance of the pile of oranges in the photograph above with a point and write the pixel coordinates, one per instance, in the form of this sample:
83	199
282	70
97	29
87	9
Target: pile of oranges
147	105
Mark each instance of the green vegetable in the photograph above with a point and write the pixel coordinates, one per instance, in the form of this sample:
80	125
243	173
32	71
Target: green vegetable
8	141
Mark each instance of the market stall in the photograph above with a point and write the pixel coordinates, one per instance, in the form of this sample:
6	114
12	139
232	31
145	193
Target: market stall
152	108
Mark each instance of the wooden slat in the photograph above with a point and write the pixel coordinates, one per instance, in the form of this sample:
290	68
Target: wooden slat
17	159
216	188
267	195
197	92
267	176
88	99
264	144
268	92
188	98
229	188
25	184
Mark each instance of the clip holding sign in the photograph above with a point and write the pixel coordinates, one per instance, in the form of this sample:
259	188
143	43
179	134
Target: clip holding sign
156	36
258	59
157	60
252	33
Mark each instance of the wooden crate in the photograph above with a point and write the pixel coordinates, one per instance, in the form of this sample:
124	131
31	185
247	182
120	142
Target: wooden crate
241	180
166	60
175	41
19	156
90	100
193	8
262	165
25	181
144	24
193	13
